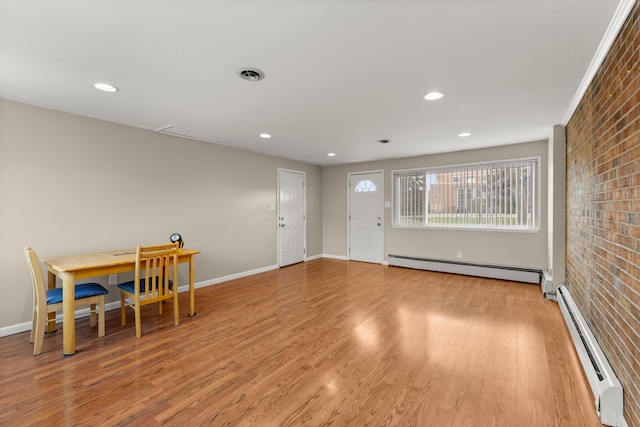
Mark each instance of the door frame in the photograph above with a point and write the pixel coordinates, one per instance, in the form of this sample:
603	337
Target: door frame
304	221
349	175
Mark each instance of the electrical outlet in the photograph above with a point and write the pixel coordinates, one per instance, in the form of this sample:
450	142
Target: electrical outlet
459	254
113	279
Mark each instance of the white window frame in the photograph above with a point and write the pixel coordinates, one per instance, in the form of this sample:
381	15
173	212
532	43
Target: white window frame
462	170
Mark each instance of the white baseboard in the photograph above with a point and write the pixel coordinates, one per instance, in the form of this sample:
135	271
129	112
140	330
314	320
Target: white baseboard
341	257
218	280
345	258
26	326
15	329
114	305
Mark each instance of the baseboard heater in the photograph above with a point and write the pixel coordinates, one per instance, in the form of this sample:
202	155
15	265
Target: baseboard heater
516	274
603	381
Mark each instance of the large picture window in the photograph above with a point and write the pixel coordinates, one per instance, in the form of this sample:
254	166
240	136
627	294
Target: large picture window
495	196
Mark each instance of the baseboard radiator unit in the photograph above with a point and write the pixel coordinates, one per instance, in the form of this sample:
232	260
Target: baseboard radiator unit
603	381
516	274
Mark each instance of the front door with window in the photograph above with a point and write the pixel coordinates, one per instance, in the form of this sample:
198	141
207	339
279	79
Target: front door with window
366	217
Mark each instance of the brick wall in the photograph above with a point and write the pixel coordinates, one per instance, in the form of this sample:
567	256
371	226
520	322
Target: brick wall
603	209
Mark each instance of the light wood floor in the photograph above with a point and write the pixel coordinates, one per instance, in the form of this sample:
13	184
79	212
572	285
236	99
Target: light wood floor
326	342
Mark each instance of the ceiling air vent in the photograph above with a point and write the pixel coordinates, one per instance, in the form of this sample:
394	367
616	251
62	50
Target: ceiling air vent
191	134
251	74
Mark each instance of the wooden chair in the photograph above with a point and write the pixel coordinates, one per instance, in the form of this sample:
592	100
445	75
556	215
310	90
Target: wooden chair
47	301
156	275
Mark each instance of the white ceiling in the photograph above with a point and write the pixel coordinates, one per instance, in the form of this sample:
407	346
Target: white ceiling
340	74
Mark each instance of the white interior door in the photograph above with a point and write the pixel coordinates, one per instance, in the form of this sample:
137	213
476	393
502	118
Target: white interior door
291	217
365	217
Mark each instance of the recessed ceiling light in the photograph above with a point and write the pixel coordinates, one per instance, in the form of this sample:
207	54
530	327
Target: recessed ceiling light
265	135
105	87
464	134
433	96
331	154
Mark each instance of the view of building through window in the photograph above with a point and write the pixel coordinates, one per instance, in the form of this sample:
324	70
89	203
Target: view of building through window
499	195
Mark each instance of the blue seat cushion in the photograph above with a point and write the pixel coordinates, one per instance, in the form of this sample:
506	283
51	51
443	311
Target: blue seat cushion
84	290
128	286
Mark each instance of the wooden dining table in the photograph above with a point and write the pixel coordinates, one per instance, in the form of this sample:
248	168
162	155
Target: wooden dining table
70	268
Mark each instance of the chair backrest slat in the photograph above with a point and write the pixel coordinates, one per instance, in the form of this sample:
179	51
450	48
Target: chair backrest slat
156	265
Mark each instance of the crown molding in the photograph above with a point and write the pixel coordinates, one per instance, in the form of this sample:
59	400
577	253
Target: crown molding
618	20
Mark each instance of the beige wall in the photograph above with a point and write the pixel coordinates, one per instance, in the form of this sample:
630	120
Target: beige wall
504	248
71	184
68	184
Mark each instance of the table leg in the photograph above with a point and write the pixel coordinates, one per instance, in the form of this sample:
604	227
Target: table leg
192	298
51	317
68	314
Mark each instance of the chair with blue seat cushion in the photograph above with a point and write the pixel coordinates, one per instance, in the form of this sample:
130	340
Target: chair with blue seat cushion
156	272
50	300
128	286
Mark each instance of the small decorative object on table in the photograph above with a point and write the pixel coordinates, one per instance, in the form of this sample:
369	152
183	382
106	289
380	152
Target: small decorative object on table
176	237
